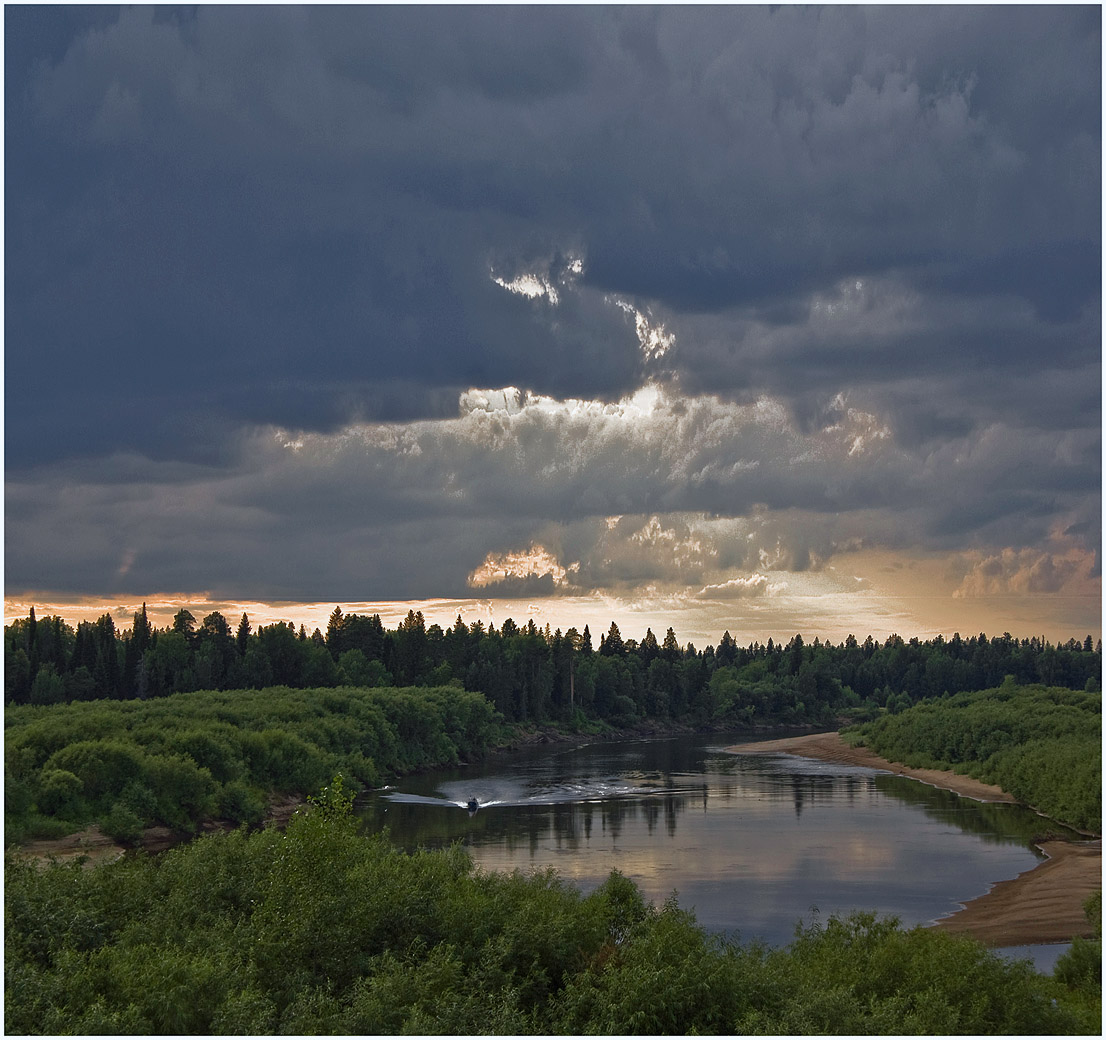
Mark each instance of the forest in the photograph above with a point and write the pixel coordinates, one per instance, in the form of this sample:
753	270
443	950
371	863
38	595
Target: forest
318	929
530	674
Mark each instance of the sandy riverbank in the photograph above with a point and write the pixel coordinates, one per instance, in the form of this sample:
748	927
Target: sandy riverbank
1042	905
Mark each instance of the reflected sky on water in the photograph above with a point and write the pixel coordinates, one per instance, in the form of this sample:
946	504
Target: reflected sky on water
752	843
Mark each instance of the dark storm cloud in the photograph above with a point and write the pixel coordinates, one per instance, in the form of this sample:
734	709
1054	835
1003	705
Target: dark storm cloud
258	197
865	243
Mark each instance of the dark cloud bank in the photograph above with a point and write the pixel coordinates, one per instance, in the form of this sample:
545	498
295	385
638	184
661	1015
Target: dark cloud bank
255	258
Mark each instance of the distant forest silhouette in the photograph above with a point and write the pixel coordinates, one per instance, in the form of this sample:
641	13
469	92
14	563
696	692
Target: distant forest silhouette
530	673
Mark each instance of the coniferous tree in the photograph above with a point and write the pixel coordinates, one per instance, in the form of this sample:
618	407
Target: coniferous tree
670	648
32	641
334	635
727	650
105	671
649	648
184	622
242	636
612	645
411	648
141	632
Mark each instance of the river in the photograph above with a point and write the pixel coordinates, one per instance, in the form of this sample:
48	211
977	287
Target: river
751	843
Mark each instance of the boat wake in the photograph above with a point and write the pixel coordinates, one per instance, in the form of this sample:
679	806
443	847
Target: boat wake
484	794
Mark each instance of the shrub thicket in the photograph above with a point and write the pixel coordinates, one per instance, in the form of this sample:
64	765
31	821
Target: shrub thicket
320	930
1042	744
181	759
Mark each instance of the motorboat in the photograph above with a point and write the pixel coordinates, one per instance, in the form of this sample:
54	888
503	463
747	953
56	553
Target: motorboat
472	805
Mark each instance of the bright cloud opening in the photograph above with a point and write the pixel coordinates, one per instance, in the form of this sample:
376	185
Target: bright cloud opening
544	281
531	286
535	562
654	339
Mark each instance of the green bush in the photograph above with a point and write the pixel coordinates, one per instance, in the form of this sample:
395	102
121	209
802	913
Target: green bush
59	793
240	803
1080	968
122	824
104	766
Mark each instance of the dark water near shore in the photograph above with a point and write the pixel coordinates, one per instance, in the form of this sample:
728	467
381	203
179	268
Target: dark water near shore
751	843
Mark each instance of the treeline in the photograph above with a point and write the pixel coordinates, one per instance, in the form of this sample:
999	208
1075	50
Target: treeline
529	673
1042	745
181	760
318	930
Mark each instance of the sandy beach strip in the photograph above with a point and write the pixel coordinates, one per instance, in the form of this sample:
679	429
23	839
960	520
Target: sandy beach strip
1041	905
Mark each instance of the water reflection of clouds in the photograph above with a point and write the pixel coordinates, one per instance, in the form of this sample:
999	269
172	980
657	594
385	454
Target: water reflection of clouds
720	848
751	842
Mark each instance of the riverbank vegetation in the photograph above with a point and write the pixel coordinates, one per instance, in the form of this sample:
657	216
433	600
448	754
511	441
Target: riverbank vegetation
180	760
1041	744
320	930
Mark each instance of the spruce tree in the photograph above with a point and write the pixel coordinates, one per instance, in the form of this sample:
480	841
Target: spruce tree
242	636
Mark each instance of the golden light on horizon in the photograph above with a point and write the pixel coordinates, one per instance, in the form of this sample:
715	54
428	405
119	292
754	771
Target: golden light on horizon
862	594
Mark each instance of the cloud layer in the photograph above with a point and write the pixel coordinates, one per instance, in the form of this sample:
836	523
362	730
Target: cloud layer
354	303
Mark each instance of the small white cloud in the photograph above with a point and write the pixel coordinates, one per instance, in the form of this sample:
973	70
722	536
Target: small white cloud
754	585
126	563
531	286
545	279
653	338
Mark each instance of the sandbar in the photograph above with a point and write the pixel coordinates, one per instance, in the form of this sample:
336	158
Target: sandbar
1041	905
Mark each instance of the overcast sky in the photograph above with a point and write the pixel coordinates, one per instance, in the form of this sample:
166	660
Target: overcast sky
772	321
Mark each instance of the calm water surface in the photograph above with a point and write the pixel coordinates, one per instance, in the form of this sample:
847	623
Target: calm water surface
751	843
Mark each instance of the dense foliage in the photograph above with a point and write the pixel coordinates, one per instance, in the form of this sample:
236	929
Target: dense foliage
528	673
1081	966
181	759
1042	744
319	930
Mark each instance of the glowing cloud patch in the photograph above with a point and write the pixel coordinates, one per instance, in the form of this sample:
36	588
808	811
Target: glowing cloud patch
655	341
753	585
855	428
561	271
531	286
1022	571
509	399
535	562
849	299
680	547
